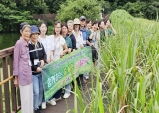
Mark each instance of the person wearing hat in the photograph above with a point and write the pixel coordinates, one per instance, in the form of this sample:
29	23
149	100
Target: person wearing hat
85	40
22	69
78	34
84	31
79	44
38	58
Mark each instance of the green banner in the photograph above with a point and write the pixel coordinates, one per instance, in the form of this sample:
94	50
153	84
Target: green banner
60	73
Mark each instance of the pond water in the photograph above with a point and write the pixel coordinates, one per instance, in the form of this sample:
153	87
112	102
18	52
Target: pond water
8	39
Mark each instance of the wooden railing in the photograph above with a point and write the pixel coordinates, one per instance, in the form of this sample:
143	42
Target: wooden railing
50	17
9	95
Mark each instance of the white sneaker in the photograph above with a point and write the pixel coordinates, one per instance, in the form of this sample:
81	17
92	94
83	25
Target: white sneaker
66	95
43	106
56	99
52	102
87	77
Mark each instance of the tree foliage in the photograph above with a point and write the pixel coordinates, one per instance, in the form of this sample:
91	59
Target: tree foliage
11	16
135	8
12	12
138	8
54	5
74	9
34	6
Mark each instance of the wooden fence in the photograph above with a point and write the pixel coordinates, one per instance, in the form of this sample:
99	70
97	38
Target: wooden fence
9	95
50	17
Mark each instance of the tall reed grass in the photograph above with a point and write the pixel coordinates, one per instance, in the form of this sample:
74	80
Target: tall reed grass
131	70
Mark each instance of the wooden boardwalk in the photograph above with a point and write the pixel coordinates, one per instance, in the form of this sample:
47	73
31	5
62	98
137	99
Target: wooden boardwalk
63	105
12	97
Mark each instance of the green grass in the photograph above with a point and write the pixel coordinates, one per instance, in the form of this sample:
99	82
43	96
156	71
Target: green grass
131	69
133	57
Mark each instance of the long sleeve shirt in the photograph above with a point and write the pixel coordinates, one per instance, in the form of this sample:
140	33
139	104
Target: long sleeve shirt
36	53
21	63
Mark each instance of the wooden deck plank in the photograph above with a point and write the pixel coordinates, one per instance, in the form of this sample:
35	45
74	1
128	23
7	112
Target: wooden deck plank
64	105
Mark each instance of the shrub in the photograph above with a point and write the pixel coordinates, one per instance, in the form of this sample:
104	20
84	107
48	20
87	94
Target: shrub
74	9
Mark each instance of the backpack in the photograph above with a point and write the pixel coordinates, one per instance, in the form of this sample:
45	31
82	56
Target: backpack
94	54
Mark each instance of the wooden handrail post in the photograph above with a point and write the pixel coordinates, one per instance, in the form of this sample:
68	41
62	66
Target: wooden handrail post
13	89
10	100
1	100
6	85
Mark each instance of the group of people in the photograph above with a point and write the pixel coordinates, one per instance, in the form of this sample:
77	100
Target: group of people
35	48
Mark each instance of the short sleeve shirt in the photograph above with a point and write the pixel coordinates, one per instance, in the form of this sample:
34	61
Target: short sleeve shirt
48	45
58	46
68	42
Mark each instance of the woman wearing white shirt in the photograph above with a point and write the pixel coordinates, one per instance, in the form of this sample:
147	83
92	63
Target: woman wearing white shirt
60	48
48	46
46	41
79	44
78	34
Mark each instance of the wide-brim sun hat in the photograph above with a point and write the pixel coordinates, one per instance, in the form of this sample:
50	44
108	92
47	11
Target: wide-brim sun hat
34	29
76	21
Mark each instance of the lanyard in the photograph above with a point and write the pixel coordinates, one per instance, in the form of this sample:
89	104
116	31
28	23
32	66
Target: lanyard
36	50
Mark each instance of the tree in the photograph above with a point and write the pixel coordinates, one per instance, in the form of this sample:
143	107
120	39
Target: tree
151	10
135	9
74	9
106	6
54	5
34	6
11	16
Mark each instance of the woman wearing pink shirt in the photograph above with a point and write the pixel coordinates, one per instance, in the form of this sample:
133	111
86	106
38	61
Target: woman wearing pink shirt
22	69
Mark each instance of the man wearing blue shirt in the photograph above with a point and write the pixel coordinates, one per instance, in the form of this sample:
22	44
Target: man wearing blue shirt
85	40
84	32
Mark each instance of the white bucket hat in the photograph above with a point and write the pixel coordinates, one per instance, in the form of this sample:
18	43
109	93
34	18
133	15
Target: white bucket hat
76	21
